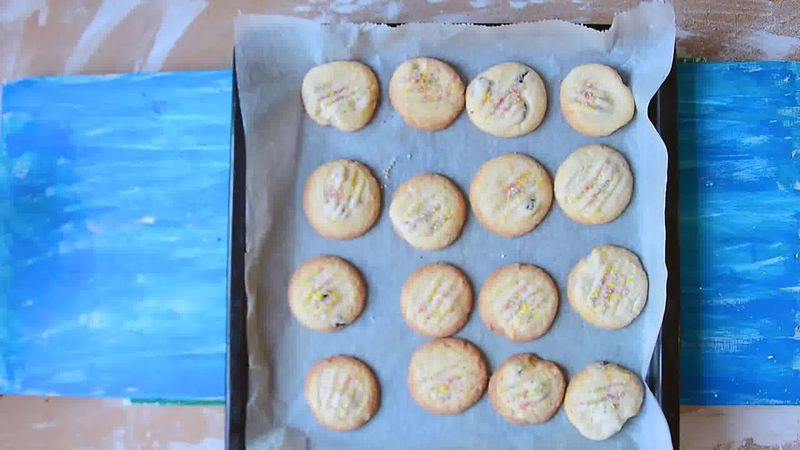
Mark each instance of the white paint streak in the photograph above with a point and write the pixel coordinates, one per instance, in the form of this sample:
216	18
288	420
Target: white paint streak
93	320
302	8
754	140
773	46
147	220
759	264
108	16
12	11
480	4
69	376
207	443
176	17
43	425
392	10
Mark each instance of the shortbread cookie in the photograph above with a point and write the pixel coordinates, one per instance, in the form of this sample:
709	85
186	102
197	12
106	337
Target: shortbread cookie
342	199
436	300
508	100
519	301
428	211
342	393
511	194
326	293
594	184
595	101
527	389
447	376
341	93
608	287
427	93
601	398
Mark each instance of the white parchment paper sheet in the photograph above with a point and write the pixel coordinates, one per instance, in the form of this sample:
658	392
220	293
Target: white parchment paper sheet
284	146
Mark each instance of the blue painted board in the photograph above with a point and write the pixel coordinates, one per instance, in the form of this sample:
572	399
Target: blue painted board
113	235
740	233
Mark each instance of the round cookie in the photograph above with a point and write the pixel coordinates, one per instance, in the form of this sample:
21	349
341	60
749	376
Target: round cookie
428	211
342	199
326	293
608	288
340	93
594	184
507	100
519	301
526	389
601	398
447	376
436	300
511	194
342	393
427	93
595	101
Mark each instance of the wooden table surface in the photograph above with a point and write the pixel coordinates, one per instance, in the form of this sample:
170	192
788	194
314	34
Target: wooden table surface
52	37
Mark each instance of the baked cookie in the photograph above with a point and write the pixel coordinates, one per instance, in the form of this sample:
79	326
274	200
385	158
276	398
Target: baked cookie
511	194
595	101
526	389
508	100
436	300
519	301
342	199
594	184
342	393
326	293
601	398
608	287
447	376
428	211
340	93
427	93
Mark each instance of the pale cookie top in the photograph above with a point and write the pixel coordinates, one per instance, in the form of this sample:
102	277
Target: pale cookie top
594	184
428	93
436	300
526	389
428	211
326	293
507	100
595	101
447	376
342	393
601	398
342	199
511	194
519	301
608	287
340	93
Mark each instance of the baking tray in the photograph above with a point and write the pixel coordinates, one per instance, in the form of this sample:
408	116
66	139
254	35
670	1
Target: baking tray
663	376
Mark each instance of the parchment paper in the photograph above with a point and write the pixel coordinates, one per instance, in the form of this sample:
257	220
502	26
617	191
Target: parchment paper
284	146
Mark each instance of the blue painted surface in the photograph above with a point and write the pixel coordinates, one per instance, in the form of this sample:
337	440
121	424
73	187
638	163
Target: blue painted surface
113	208
740	233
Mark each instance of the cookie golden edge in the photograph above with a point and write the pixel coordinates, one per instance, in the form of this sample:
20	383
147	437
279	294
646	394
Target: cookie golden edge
374	390
405	294
489	224
494	396
408	116
473	352
484	304
353	233
578	125
374	93
361	288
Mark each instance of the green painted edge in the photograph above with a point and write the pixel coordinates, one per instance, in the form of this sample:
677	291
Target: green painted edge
167	402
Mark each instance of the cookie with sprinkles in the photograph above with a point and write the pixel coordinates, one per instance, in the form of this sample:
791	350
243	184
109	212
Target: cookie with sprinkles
326	293
428	211
608	288
601	398
436	300
519	301
447	376
340	93
342	199
342	393
595	101
594	184
427	93
511	194
526	389
507	100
